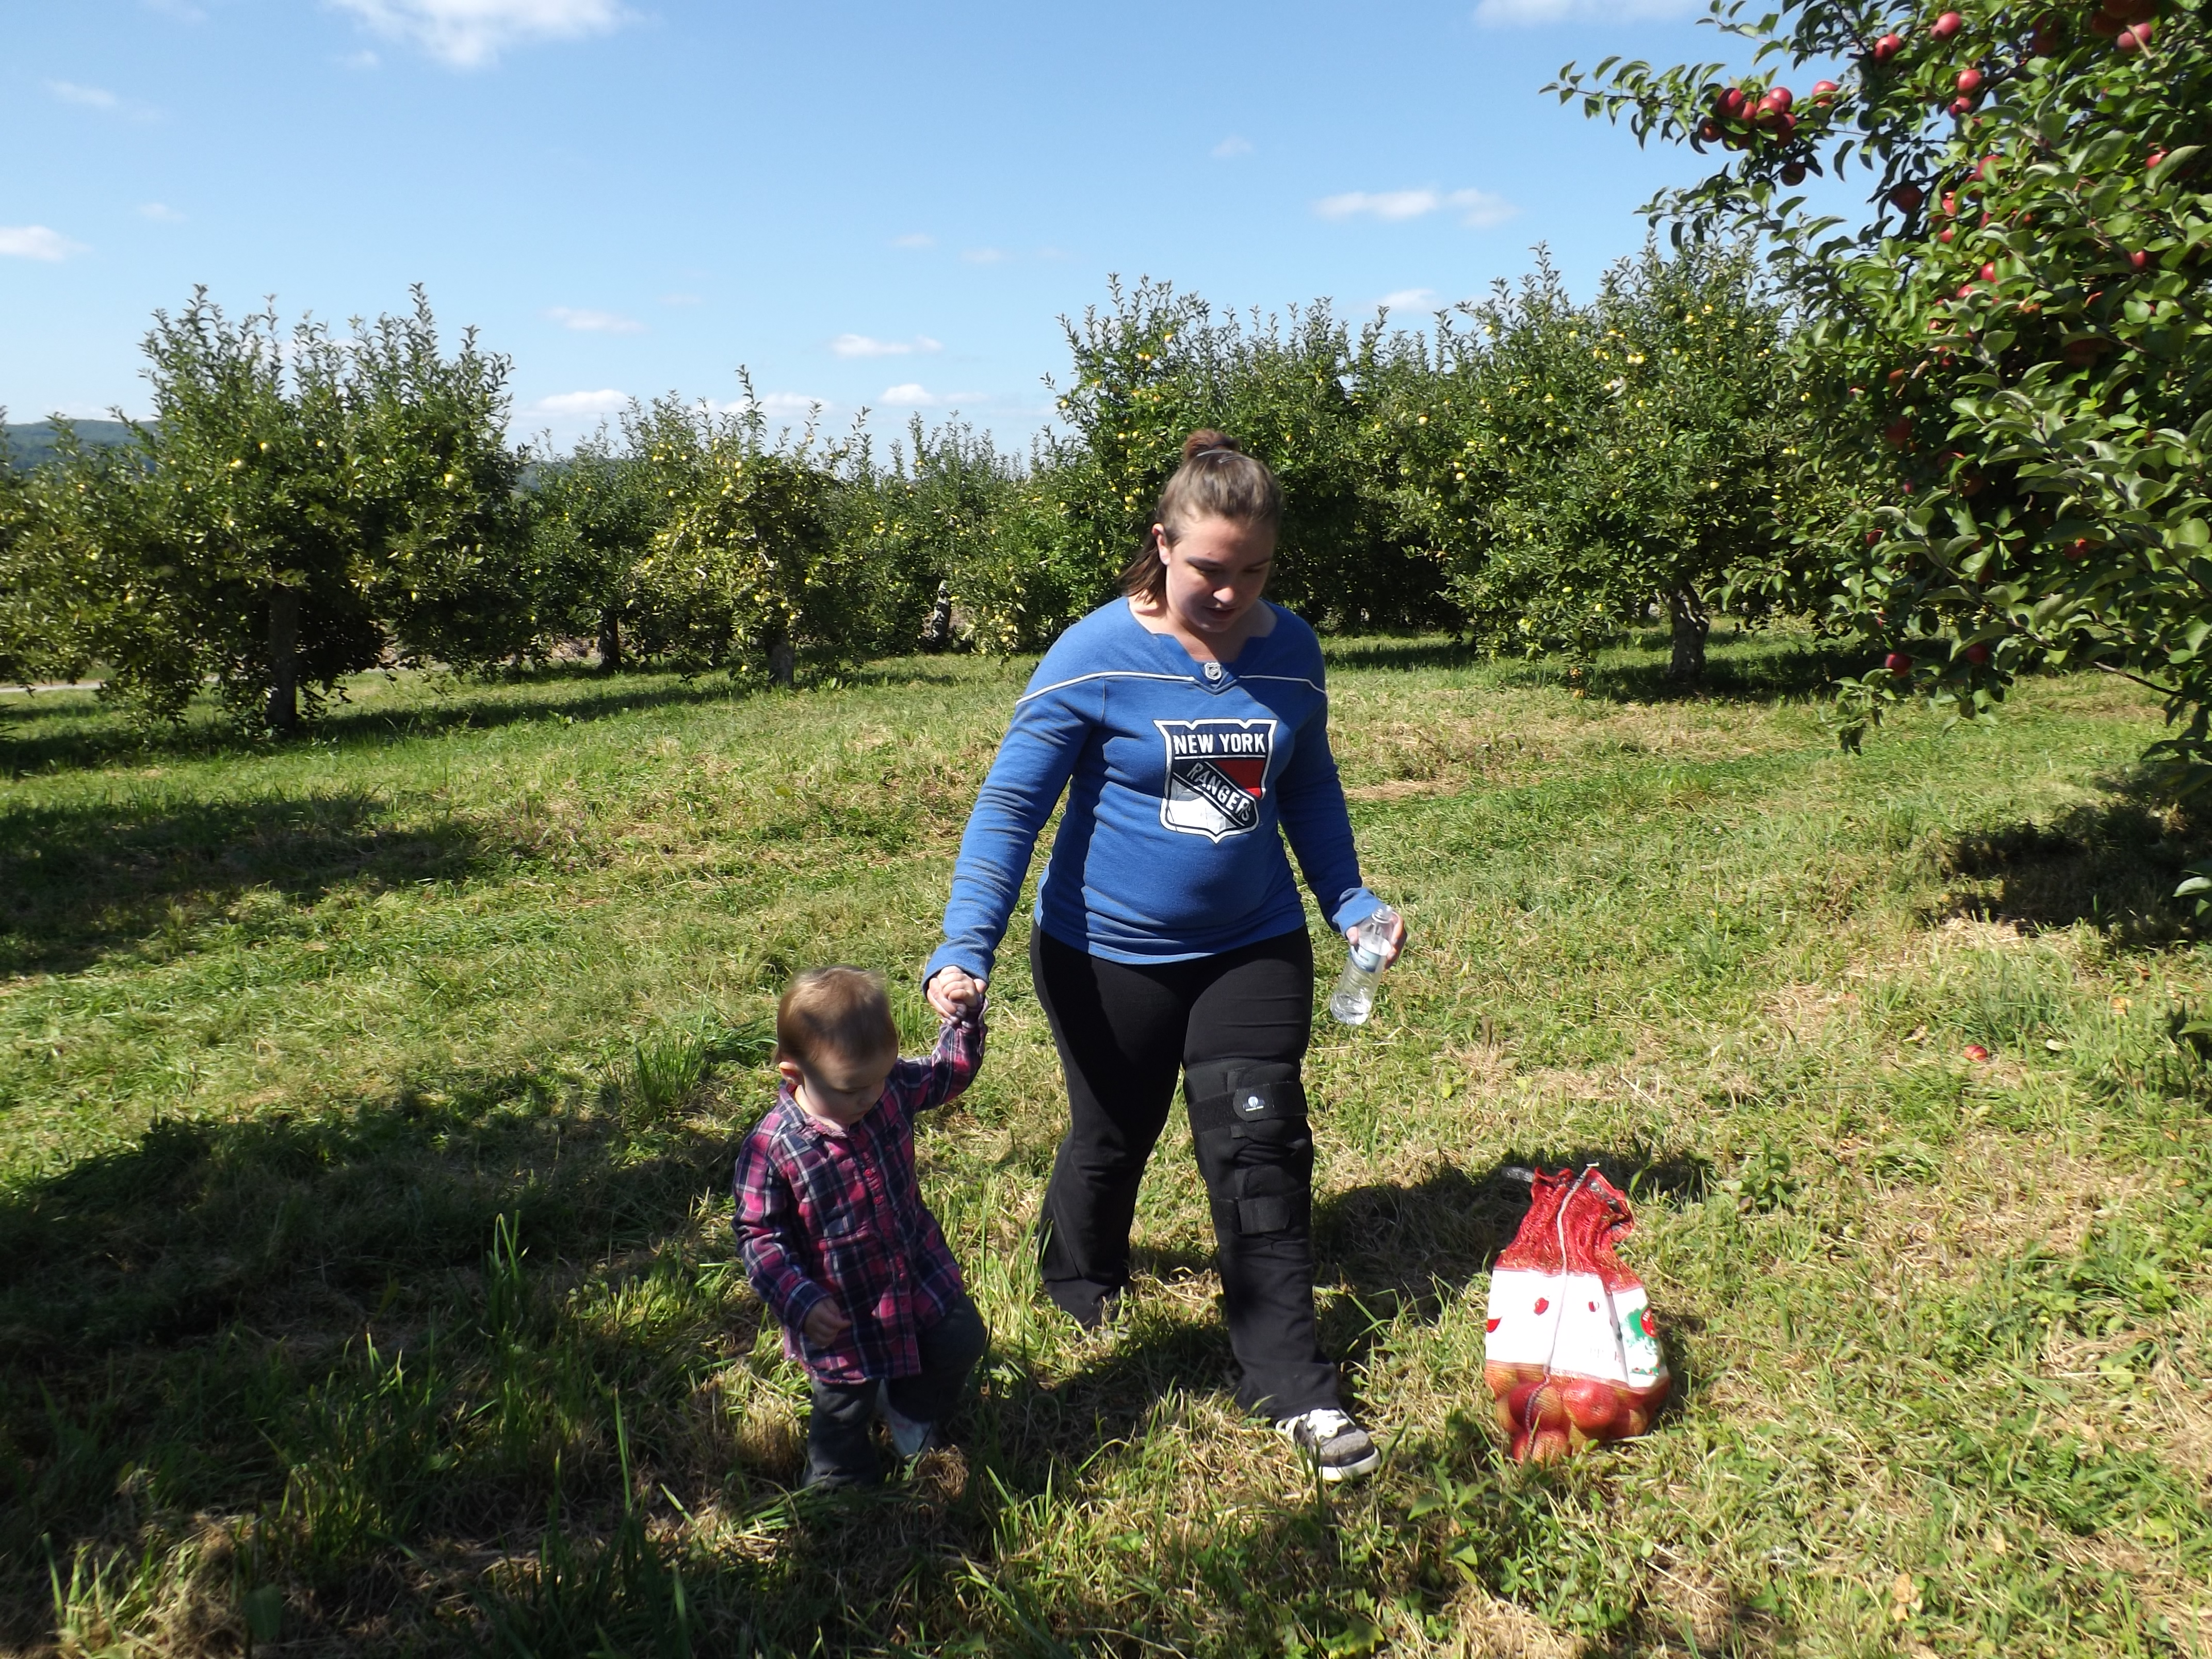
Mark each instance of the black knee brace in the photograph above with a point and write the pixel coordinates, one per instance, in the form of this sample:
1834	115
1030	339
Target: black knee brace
1248	1120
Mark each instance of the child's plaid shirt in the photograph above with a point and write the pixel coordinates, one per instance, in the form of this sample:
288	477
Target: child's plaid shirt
825	1213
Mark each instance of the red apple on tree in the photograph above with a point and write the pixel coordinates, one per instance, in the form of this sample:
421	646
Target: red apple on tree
1969	80
1907	198
1977	654
1825	91
1947	25
1898	663
2139	260
1793	172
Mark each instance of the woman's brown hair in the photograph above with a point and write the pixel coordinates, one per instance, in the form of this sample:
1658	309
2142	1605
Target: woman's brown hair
1217	480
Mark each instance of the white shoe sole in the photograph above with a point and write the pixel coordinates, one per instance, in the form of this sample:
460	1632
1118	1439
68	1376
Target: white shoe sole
1366	1465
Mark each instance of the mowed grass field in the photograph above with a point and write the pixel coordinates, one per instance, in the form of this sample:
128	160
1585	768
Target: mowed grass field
366	1110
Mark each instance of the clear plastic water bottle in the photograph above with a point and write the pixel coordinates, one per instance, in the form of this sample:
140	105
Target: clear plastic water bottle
1353	1000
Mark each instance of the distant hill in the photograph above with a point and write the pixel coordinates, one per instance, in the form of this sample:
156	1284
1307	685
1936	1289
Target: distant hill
30	442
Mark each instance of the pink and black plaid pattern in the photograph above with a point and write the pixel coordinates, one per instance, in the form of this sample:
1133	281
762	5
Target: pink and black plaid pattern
824	1213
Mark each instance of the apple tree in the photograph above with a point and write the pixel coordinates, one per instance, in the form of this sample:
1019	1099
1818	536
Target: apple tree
1581	467
2008	346
1154	364
747	569
593	513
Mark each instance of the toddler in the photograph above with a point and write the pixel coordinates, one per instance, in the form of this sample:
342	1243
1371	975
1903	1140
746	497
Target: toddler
835	1235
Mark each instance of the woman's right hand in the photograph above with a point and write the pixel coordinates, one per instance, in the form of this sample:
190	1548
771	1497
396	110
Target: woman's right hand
954	993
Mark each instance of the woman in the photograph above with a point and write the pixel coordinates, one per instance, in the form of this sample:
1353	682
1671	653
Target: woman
1191	719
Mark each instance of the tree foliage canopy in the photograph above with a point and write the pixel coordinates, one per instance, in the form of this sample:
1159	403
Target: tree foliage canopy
2010	348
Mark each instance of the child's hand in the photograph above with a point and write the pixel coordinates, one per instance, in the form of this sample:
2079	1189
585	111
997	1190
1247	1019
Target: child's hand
826	1323
955	992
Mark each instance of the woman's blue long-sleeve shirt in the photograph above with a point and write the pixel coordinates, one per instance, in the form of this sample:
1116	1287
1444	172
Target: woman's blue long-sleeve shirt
1178	776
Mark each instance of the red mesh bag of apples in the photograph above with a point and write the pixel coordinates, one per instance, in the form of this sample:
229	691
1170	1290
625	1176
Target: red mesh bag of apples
1570	1353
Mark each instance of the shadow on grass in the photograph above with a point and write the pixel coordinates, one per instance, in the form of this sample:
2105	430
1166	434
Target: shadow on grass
436	1367
2113	863
308	1324
52	737
79	882
1403	1252
1745	667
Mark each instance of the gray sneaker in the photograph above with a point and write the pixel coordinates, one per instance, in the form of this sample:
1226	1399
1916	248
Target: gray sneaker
1338	1447
909	1437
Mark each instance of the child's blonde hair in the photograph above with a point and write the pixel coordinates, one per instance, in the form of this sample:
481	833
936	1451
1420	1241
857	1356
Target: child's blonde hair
840	1011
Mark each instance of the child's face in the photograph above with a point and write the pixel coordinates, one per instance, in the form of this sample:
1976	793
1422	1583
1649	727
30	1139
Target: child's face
837	1088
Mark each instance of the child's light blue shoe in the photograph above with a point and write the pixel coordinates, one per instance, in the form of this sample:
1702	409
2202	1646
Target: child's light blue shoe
909	1439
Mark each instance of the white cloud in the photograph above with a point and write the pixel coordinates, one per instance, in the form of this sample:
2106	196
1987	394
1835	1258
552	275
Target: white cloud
161	212
1231	147
912	394
983	256
572	404
1476	208
914	239
791	405
91	97
471	33
1383	203
36	242
1479	209
1408	299
860	345
100	98
1524	13
776	405
595	322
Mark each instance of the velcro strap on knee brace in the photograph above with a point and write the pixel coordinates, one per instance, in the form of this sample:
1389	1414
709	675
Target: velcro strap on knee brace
1222	1093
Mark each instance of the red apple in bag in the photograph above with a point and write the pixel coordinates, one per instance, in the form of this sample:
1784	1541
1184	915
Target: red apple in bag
1563	1306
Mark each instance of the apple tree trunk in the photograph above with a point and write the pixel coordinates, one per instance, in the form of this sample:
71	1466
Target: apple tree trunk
783	663
285	661
1691	624
611	642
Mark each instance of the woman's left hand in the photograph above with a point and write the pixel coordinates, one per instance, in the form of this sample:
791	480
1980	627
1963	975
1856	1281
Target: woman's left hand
1394	941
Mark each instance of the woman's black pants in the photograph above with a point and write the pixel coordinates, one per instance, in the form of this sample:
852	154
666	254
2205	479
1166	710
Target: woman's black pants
1236	1025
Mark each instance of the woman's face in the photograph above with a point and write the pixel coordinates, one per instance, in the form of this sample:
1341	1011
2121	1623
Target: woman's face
1216	569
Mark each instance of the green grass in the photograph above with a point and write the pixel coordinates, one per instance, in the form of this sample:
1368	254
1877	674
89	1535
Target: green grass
366	1107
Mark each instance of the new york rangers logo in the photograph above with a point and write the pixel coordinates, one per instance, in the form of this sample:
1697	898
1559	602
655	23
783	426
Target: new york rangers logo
1216	775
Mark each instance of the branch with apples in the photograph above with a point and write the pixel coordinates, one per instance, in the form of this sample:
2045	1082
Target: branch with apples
2008	349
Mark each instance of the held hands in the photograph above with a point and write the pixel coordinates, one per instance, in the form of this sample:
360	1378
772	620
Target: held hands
1372	932
824	1323
954	993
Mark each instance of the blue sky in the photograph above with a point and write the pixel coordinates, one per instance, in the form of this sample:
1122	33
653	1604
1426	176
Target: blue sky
871	204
